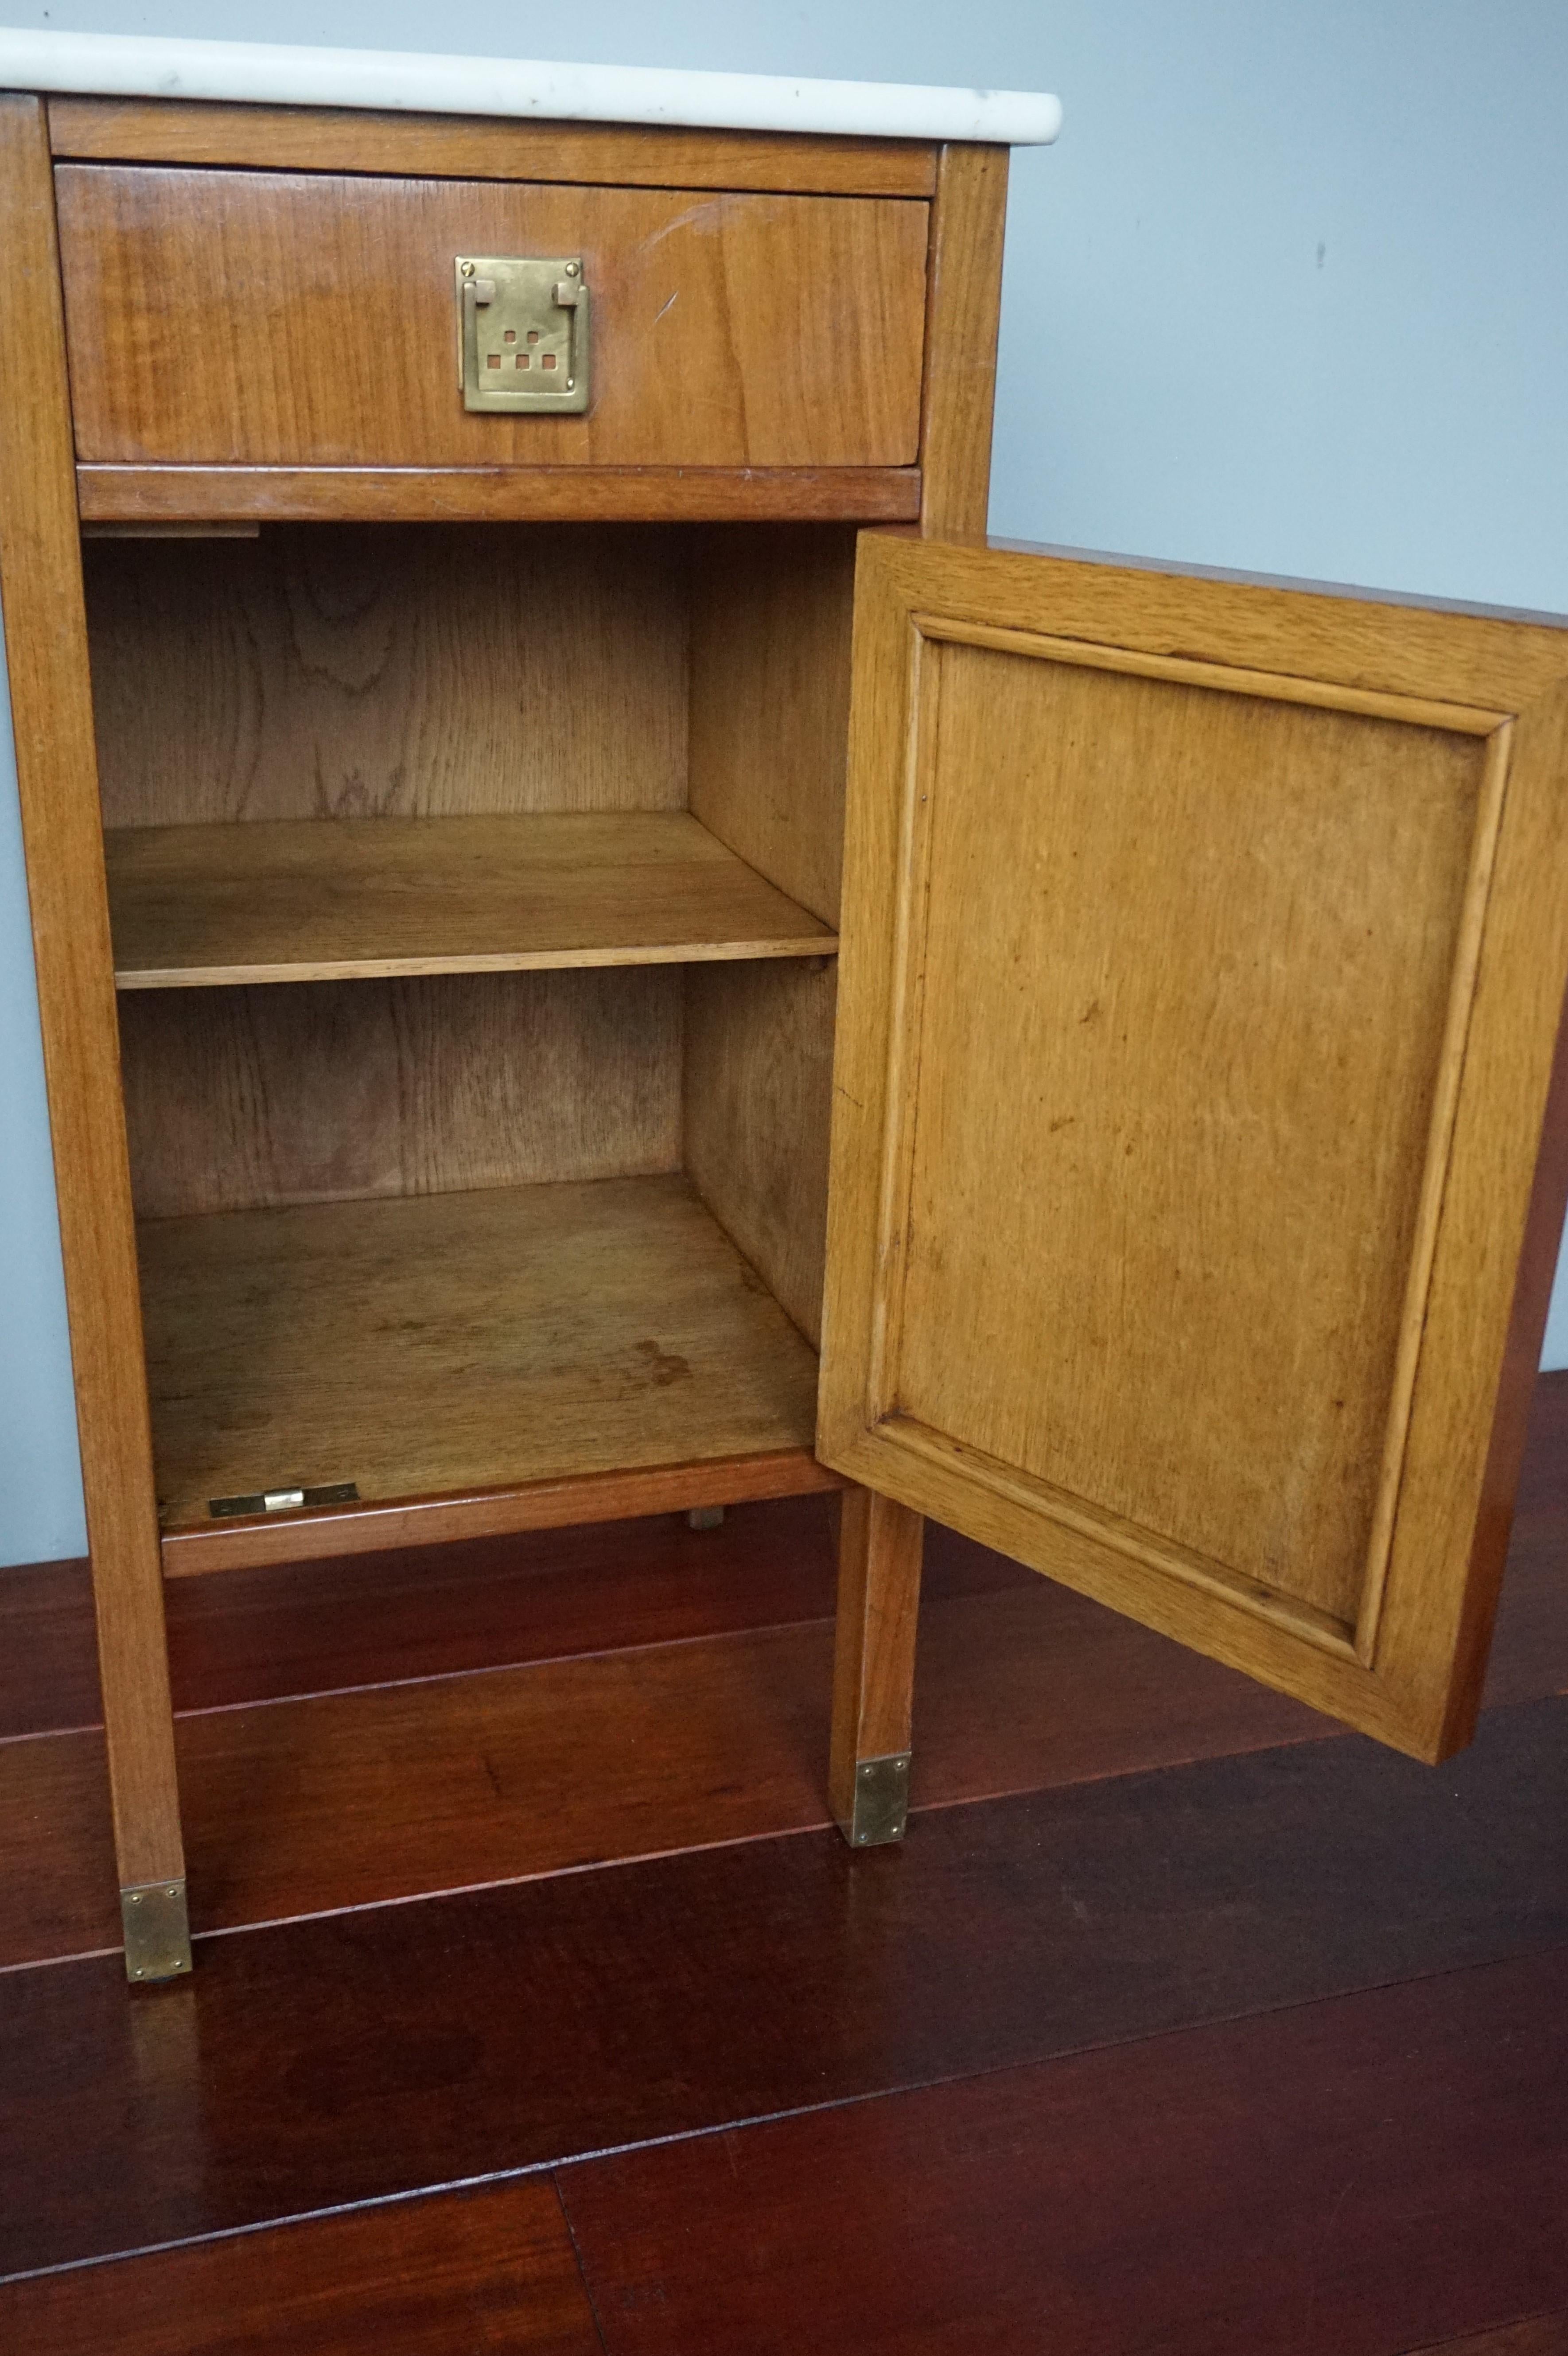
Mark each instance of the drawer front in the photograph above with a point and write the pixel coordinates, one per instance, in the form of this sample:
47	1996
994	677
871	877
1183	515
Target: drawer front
264	318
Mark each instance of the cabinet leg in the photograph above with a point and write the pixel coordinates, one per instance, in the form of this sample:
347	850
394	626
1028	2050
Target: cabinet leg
138	1720
873	1666
51	723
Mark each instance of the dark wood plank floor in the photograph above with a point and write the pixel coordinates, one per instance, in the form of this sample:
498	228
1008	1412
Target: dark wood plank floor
1181	2022
493	2270
1235	2188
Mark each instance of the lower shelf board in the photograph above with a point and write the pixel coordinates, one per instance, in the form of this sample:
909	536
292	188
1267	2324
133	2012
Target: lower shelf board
512	1355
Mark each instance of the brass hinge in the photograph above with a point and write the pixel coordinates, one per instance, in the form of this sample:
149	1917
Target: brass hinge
287	1500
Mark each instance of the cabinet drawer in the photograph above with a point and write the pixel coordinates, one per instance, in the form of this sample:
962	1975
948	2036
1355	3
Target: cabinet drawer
265	318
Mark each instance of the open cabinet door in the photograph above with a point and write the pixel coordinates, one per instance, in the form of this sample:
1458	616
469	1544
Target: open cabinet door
1204	948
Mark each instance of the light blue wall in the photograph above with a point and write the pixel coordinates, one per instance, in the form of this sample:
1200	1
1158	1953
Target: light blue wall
1291	294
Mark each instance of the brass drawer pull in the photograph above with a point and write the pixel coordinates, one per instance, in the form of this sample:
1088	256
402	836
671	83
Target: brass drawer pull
522	333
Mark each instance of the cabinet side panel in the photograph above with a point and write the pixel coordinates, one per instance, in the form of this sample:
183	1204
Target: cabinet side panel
771	612
322	1092
376	671
759	1088
40	578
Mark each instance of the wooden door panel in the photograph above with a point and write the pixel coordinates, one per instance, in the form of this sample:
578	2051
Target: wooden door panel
1202	960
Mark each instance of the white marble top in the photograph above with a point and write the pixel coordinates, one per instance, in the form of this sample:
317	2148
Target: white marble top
113	65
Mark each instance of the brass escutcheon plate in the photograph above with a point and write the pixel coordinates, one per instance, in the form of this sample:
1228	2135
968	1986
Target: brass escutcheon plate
522	332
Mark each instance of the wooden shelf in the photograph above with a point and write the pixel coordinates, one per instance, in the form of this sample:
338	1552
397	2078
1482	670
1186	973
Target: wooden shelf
479	1346
334	899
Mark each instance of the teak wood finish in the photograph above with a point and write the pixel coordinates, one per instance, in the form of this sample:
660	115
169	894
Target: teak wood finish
533	1246
196	905
254	1100
375	671
51	717
436	146
881	1539
444	1343
263	318
185	495
1232	919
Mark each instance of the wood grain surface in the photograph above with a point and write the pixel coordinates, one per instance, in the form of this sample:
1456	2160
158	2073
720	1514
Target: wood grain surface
757	1079
488	493
445	1782
494	2257
502	2029
301	1628
193	907
880	1546
51	718
348	139
268	318
964	300
1020	1687
1534	2335
1180	951
771	615
460	1341
1183	941
1356	2176
338	1622
367	672
241	1099
473	1516
373	1797
480	2272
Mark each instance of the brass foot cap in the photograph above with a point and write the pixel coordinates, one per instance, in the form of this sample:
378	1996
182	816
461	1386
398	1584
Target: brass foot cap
882	1800
157	1931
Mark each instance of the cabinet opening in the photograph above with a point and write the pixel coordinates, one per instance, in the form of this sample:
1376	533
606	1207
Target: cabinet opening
474	893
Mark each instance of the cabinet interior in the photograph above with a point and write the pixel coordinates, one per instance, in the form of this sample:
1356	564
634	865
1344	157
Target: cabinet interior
474	892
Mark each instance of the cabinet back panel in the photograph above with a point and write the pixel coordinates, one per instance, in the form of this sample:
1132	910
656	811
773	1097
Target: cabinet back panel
240	1099
379	670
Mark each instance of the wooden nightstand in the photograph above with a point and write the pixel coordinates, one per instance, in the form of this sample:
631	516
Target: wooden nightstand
450	797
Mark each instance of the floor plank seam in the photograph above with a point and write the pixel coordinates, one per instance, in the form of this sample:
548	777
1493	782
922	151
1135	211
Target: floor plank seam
52	1733
456	2184
445	1677
635	2146
496	1668
740	1840
1475	2343
435	1897
577	2260
54	1962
